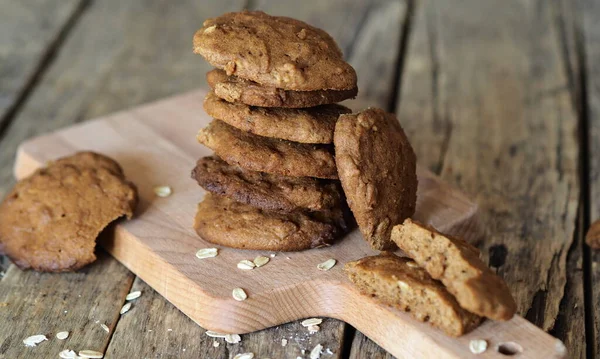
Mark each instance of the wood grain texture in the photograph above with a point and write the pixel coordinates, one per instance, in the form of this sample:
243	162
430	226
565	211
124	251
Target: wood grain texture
28	33
47	303
487	104
118	54
589	15
290	287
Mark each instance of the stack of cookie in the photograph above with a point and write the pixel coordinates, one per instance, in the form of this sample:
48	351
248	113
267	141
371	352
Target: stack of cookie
273	182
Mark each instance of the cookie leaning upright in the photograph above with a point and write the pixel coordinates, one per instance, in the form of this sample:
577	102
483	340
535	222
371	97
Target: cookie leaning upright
274	51
456	263
50	220
377	167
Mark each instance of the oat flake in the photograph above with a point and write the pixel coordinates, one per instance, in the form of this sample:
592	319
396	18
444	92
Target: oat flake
62	335
34	340
239	294
244	356
91	354
105	327
261	261
327	265
133	295
67	354
207	253
478	346
216	344
283	342
313	329
233	338
213	334
316	352
162	191
245	265
311	321
125	308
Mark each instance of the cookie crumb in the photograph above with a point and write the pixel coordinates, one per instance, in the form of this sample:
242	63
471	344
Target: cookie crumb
283	342
216	344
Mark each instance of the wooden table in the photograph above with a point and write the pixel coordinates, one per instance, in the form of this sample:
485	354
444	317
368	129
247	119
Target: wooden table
501	98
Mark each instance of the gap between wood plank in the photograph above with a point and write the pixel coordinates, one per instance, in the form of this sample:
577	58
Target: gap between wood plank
395	97
43	64
584	132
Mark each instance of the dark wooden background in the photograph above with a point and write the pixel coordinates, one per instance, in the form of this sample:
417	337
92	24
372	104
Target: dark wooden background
499	97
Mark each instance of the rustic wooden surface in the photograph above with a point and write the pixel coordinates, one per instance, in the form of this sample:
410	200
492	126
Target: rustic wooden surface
489	94
152	151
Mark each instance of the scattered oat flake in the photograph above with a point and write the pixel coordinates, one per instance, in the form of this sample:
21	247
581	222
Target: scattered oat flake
327	265
478	346
67	354
272	255
207	253
329	351
34	340
412	264
133	295
245	264
261	261
244	356
3	304
213	334
125	308
162	191
62	335
311	321
239	294
91	354
283	342
216	344
233	338
316	352
403	285
313	329
105	327
169	330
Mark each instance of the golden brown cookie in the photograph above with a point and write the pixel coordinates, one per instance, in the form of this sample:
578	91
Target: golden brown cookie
456	263
377	167
257	153
50	220
235	89
225	222
310	125
399	282
592	238
266	191
274	51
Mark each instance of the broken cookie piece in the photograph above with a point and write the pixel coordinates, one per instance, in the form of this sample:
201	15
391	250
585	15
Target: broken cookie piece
50	220
456	263
400	283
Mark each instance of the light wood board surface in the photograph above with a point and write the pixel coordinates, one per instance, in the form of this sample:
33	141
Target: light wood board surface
156	146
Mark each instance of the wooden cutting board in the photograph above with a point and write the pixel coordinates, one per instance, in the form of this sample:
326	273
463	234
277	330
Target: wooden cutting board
156	145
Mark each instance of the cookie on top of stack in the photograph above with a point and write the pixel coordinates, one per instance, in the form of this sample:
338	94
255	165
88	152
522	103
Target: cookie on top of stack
273	180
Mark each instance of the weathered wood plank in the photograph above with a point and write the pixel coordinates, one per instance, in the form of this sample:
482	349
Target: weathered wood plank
29	32
487	104
36	303
119	54
589	13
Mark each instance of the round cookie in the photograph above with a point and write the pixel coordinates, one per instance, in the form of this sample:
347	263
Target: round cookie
222	221
50	220
377	167
274	51
266	191
311	125
257	153
235	89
